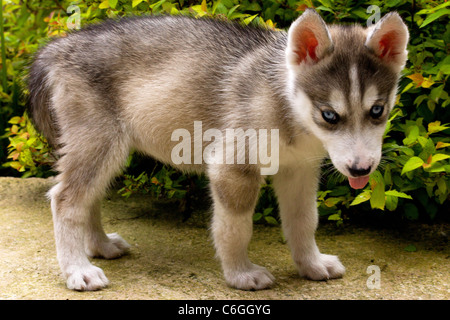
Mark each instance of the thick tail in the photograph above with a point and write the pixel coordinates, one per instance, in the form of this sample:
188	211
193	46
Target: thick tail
39	104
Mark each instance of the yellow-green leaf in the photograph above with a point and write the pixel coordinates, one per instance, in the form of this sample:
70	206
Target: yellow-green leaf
250	19
271	220
439	157
434	127
434	16
335	217
377	198
412	164
417	78
395	193
362	197
441	145
427	82
16	165
203	6
15	120
14	129
104	5
136	2
420	81
113	3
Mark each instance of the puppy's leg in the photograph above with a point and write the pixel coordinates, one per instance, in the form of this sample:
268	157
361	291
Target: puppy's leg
98	243
296	190
235	194
75	205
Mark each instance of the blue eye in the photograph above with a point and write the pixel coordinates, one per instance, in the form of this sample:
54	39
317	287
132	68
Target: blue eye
330	116
376	111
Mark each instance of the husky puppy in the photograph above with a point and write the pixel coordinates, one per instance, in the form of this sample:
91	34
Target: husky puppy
128	85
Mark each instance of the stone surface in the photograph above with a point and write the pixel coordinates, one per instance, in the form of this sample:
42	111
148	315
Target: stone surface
172	259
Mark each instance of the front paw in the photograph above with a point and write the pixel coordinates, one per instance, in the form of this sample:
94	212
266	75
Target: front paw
85	278
321	267
252	278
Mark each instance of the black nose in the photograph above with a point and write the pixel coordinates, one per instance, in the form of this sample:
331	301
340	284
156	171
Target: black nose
358	172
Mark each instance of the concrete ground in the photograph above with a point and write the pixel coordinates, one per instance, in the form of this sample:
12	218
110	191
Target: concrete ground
172	259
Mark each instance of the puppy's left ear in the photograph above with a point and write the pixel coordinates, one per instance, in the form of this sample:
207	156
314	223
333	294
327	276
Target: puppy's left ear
388	40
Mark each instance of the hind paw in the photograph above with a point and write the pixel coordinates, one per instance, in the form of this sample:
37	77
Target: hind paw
113	247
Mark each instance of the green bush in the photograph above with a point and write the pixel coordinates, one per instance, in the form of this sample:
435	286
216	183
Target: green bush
413	177
28	150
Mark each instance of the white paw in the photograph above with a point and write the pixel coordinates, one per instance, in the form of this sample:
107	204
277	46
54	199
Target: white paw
113	248
86	278
253	278
322	267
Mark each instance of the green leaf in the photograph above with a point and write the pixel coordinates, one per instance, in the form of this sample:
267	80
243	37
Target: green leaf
442	185
439	157
434	16
423	141
412	134
253	6
395	193
407	151
412	164
214	8
271	220
323	8
436	126
327	3
250	19
15	120
436	93
437	167
426	11
156	5
391	202
339	191
392	3
335	217
362	197
136	2
257	216
112	3
232	10
407	87
170	193
332	201
411	248
377	199
104	5
267	211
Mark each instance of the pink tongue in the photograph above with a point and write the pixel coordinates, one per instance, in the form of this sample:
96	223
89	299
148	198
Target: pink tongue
358	183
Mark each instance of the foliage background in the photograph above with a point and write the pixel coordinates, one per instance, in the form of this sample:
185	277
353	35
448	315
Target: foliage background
412	181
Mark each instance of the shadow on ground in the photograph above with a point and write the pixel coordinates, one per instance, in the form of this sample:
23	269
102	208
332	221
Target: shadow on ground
172	259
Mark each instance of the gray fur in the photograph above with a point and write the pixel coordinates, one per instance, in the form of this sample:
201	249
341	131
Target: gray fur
127	85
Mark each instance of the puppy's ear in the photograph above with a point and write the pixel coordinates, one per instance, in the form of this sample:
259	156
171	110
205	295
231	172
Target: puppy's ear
388	40
308	39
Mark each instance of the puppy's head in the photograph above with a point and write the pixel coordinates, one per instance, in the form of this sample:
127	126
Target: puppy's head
342	85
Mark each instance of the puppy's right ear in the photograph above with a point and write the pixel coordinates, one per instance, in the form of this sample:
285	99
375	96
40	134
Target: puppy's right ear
308	40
